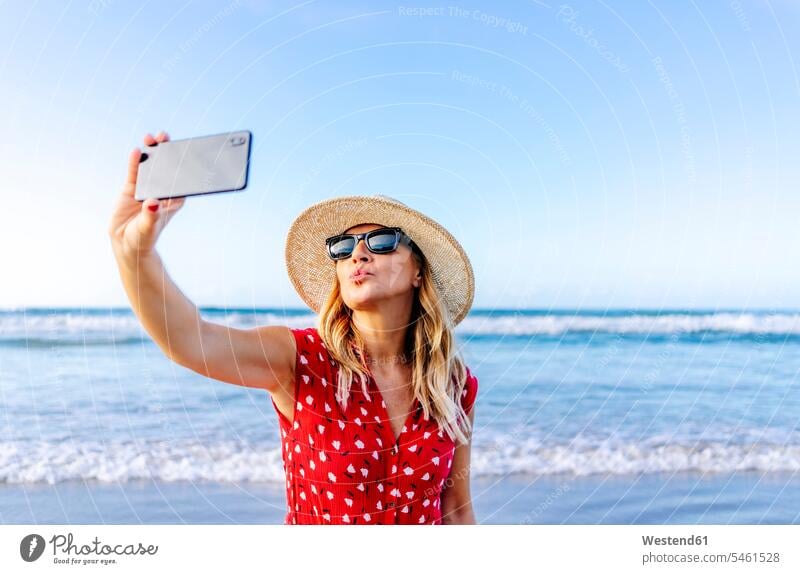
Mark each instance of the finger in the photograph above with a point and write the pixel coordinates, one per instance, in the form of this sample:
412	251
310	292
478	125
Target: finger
171	210
149	140
162	137
149	216
175	201
133	171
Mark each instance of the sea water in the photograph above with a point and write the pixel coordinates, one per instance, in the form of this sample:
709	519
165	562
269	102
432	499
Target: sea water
86	395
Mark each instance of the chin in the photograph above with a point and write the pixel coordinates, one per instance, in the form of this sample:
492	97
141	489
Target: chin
363	299
359	304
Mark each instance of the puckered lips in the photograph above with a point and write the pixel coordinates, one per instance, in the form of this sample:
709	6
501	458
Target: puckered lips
359	274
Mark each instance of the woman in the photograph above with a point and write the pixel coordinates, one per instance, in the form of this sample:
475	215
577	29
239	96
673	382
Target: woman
375	405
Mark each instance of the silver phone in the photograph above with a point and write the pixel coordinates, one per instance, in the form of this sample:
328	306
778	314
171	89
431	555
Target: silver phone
194	166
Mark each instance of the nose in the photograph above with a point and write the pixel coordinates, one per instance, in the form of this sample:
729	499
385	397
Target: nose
360	251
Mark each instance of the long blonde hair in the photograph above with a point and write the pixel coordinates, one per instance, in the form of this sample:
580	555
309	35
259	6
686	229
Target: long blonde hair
438	370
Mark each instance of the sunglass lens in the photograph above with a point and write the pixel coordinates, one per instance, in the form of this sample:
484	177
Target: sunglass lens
341	248
382	241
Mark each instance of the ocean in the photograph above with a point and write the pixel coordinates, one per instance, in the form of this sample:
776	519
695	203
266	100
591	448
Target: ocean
626	407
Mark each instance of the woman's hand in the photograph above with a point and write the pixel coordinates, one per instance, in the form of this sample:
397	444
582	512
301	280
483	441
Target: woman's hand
135	226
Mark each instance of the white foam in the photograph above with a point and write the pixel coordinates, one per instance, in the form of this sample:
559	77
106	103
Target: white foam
118	461
75	327
502	457
738	323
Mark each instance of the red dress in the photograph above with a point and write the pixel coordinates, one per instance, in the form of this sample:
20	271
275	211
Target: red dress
346	467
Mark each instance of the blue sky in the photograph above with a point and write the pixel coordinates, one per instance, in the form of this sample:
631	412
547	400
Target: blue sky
588	154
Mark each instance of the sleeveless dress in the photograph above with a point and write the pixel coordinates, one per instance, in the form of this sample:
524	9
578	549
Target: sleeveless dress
346	467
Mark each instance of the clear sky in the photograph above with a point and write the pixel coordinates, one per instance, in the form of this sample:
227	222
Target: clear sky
591	154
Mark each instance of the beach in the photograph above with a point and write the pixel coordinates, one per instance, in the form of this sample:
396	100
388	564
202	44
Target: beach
686	498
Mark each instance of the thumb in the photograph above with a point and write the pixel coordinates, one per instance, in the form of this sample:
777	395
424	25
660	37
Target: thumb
151	212
152	207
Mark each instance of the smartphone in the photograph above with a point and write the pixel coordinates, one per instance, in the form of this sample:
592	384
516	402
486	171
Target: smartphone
195	166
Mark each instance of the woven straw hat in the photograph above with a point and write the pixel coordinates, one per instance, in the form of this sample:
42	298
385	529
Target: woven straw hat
313	273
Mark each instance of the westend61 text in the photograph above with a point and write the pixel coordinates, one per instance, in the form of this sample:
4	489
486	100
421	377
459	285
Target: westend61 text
673	541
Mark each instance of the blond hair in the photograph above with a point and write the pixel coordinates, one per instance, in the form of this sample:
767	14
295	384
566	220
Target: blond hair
438	371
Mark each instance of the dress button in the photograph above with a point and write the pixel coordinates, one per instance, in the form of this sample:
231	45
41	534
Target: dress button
390	505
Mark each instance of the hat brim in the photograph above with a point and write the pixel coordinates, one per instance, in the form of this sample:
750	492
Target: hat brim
313	273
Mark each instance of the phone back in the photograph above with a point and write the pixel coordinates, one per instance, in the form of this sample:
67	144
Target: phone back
195	166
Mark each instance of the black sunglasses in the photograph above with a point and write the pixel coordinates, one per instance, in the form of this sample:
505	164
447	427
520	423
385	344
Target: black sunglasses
382	240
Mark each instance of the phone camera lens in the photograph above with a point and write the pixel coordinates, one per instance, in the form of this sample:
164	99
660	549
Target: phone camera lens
238	140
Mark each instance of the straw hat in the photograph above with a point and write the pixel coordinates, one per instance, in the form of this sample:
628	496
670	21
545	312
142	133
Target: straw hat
313	273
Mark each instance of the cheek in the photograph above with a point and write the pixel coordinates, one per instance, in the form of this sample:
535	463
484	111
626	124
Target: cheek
398	266
399	278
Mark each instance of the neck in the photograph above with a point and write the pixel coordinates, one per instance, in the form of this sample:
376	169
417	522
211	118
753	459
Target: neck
384	337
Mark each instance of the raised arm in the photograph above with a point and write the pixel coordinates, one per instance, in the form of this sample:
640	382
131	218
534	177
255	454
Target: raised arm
262	357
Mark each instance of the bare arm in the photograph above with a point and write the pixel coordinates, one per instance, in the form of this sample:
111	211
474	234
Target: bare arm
456	497
261	357
168	316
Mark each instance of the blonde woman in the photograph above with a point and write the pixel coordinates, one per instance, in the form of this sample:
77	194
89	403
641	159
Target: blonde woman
375	403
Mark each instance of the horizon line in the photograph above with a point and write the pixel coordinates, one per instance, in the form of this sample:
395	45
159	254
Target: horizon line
474	309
